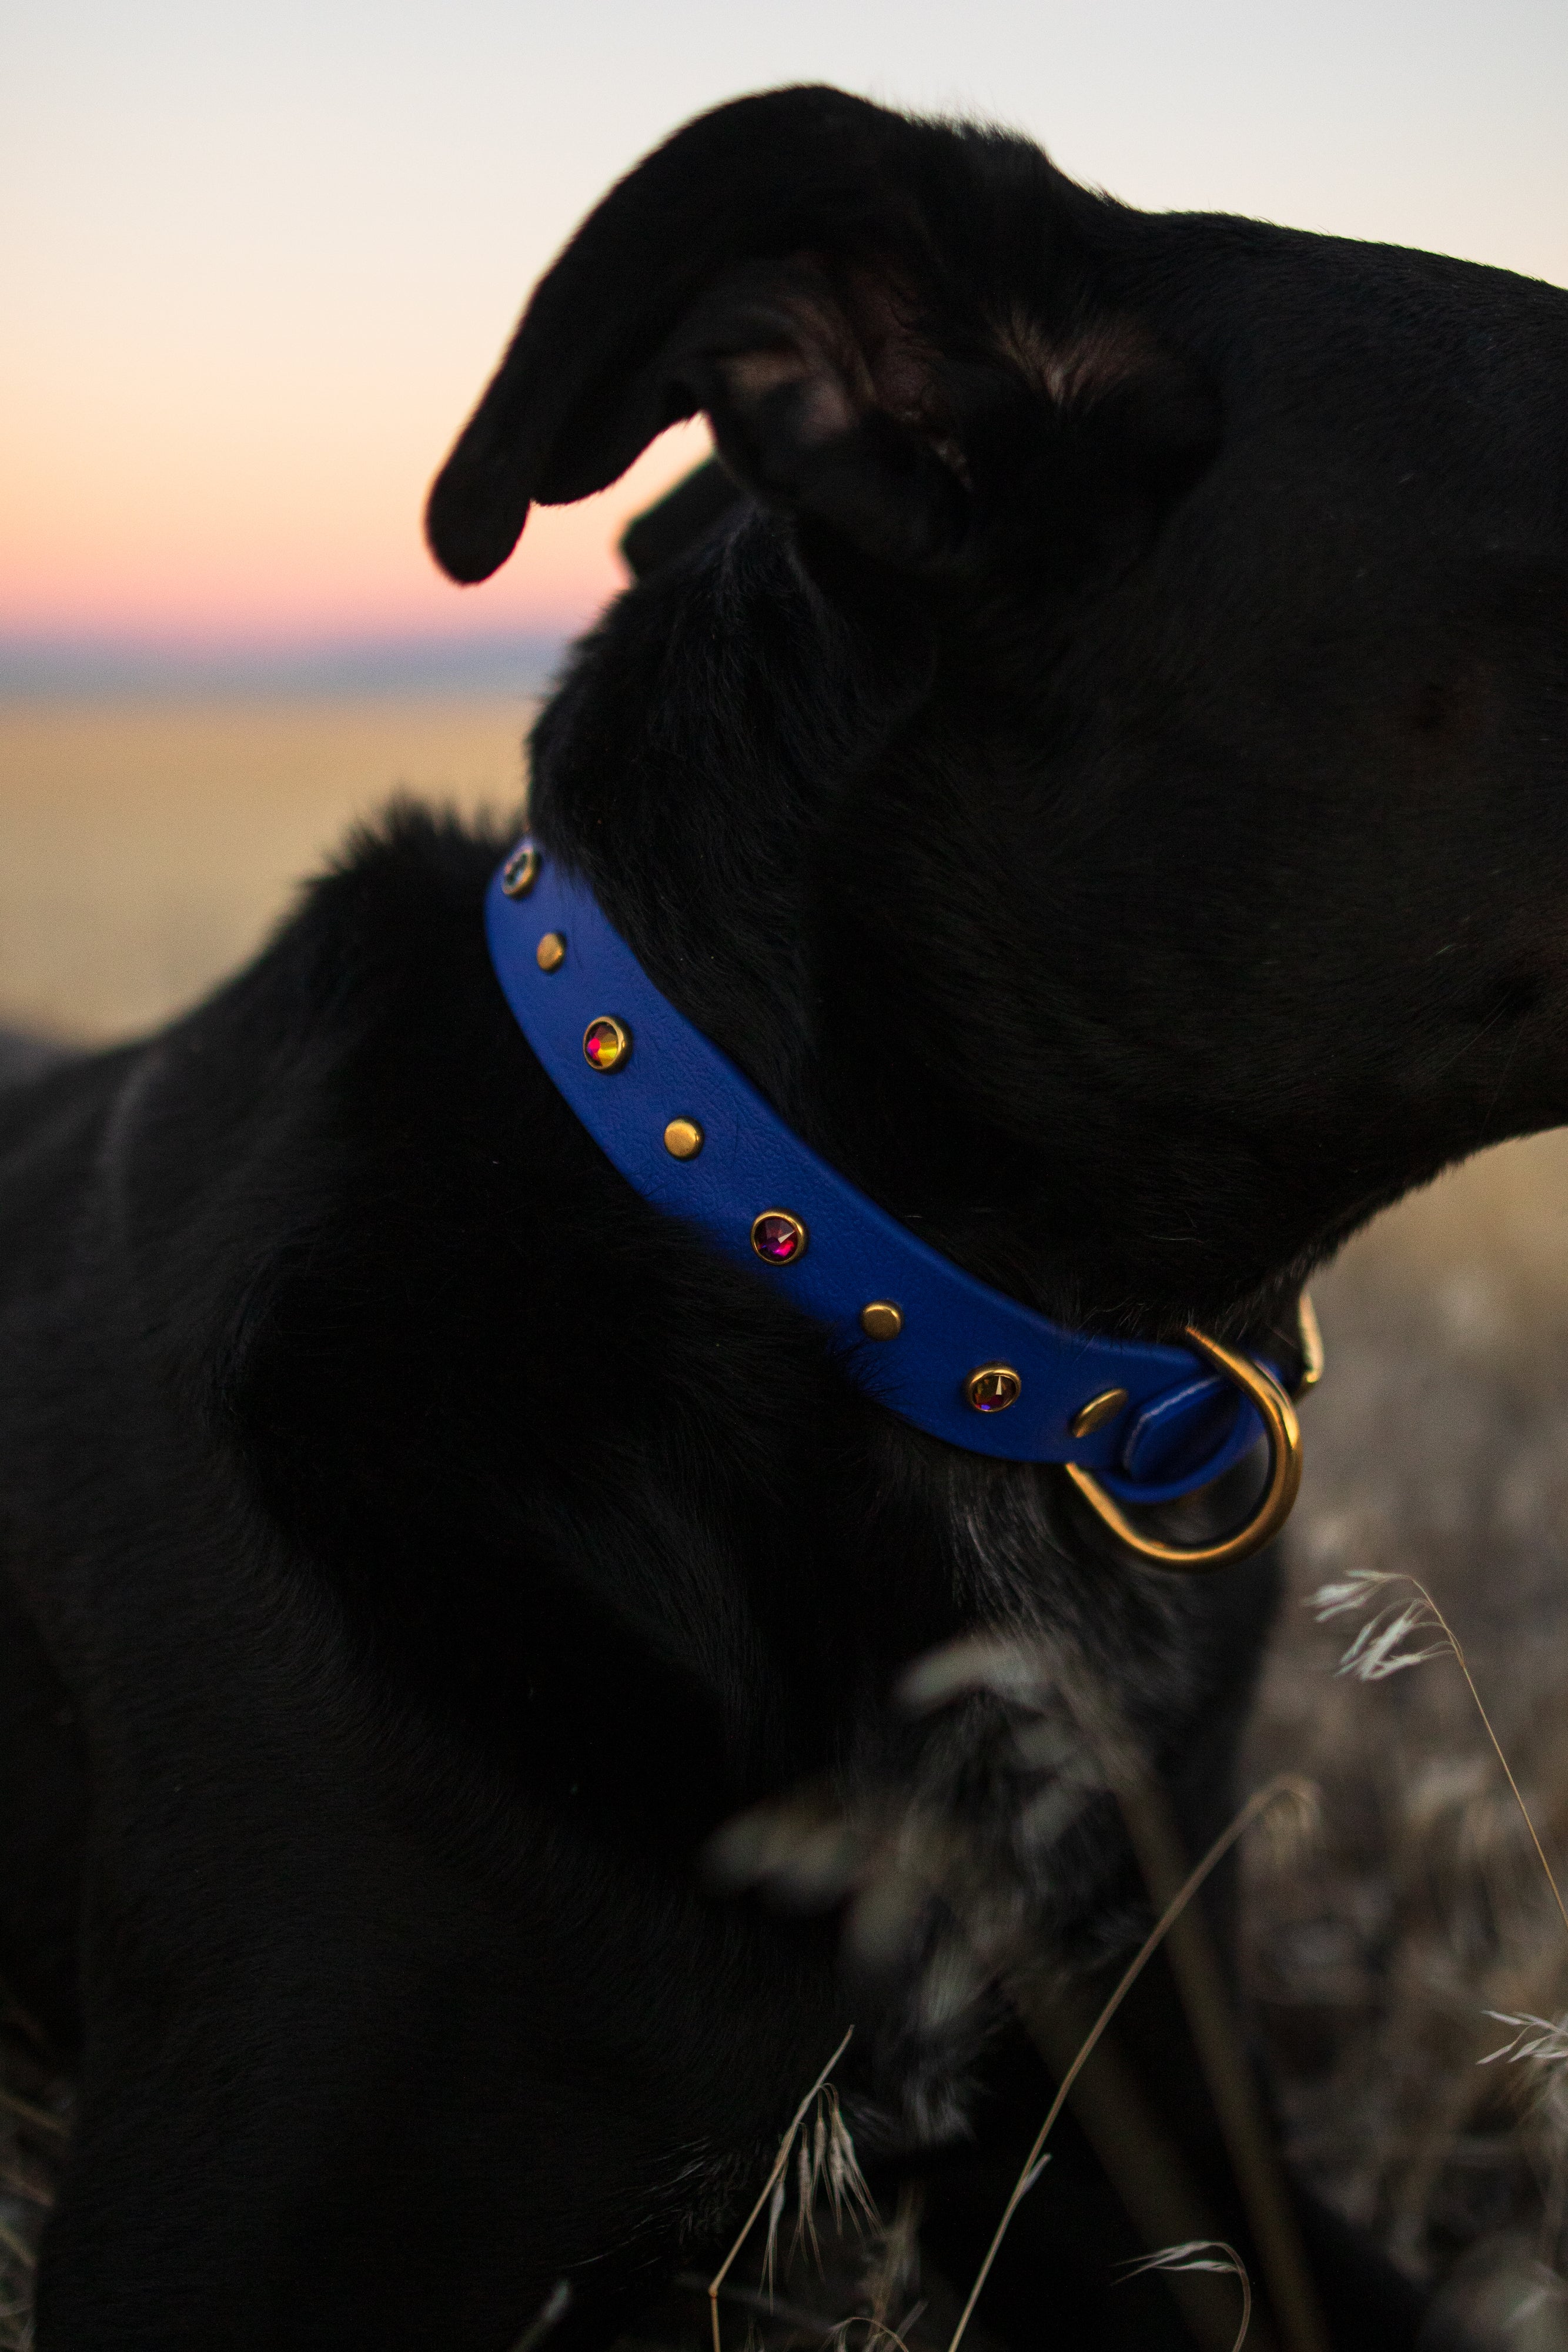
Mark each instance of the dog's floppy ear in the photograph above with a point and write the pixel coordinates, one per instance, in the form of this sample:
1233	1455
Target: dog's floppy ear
764	265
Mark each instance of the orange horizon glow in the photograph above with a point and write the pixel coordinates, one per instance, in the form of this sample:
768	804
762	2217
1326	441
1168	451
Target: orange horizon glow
260	261
232	573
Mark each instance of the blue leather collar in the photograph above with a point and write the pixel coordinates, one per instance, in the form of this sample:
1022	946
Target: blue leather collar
566	973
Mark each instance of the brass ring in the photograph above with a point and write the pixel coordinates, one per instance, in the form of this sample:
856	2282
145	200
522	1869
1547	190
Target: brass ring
1311	1341
1283	1432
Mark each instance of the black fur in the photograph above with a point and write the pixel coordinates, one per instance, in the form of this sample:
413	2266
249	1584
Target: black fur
1106	786
684	517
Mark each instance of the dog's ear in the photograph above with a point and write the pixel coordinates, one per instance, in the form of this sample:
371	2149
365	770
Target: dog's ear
766	265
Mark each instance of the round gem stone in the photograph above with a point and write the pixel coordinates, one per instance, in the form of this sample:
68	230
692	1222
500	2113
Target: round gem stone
993	1388
606	1043
777	1237
520	871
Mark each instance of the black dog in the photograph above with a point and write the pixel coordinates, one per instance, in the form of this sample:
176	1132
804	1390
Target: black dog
1107	788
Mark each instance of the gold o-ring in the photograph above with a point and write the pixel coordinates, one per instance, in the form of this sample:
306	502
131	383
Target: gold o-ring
1283	1432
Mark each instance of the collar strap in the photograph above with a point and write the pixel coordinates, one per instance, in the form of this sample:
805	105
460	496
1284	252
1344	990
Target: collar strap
928	1340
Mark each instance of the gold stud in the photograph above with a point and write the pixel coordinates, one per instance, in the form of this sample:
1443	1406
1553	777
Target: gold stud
993	1388
882	1319
606	1043
551	952
1097	1412
683	1138
777	1237
520	872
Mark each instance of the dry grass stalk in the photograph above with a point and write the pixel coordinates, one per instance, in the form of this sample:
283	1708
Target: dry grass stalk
825	2166
867	2287
1503	1959
839	2168
36	2118
1245	2126
1285	1785
1535	2039
548	2317
34	2129
1375	1653
1204	2254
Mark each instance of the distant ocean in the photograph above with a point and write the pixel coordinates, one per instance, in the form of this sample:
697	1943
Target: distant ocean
494	661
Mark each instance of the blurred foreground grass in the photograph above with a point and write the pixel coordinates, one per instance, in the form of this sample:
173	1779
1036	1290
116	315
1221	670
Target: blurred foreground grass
1437	1447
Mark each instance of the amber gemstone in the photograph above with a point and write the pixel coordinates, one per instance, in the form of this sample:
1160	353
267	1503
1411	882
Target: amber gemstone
993	1388
777	1237
606	1043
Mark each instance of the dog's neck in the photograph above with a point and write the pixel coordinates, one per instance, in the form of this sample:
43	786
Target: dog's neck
686	770
724	765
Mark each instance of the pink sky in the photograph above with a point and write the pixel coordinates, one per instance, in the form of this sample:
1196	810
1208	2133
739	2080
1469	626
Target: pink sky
259	260
253	556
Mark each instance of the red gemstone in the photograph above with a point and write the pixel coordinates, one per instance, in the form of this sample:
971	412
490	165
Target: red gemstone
993	1388
777	1237
606	1043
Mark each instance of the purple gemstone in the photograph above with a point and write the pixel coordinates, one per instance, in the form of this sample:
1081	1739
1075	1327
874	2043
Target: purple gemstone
777	1237
993	1388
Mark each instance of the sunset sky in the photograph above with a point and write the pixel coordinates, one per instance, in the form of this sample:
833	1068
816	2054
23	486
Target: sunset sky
258	260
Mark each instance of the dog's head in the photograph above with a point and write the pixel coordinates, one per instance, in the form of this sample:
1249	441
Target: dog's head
1193	876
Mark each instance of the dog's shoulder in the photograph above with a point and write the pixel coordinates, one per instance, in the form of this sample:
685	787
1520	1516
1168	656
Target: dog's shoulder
331	1078
380	922
383	953
163	1184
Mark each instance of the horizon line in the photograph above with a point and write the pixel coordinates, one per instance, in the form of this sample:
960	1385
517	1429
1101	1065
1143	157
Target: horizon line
55	665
